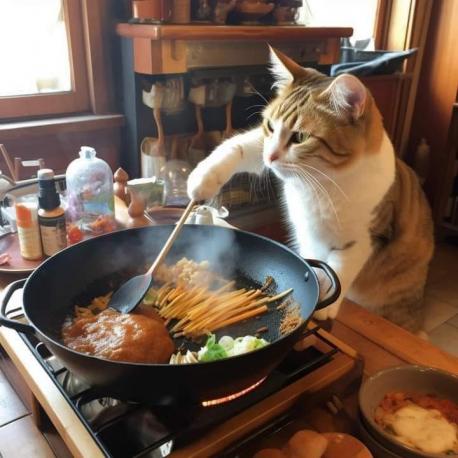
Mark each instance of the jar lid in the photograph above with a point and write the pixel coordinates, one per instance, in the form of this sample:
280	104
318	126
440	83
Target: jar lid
87	152
48	198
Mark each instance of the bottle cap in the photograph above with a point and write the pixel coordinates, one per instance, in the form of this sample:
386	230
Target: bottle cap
48	198
87	152
45	174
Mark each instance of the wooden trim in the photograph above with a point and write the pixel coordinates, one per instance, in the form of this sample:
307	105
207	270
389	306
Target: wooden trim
222	32
82	123
381	23
417	33
63	102
67	423
445	185
98	37
406	26
394	339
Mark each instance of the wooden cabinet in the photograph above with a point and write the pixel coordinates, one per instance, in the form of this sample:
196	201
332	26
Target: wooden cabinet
386	90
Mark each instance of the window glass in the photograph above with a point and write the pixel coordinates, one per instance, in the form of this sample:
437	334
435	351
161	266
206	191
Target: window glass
359	14
34	51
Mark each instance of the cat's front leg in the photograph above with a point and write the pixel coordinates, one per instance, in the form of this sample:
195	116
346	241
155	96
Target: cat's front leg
346	263
240	153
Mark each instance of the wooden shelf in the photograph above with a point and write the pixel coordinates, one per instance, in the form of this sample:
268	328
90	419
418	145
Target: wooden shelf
167	49
229	32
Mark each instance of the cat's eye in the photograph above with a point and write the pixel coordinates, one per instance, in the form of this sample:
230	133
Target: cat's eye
299	137
269	126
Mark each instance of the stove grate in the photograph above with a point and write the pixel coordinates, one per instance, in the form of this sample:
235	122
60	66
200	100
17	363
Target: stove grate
131	430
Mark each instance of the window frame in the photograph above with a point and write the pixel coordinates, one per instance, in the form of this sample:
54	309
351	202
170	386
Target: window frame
76	100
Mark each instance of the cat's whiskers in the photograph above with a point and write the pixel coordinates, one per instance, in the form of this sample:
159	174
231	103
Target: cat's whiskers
329	178
303	179
325	192
310	178
256	92
255	106
259	113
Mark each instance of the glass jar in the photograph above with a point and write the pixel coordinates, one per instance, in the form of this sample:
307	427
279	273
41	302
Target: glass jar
89	196
175	175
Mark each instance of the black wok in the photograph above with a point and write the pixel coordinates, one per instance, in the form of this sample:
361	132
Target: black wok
94	267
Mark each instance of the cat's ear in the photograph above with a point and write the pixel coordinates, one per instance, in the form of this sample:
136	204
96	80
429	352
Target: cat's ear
284	69
347	94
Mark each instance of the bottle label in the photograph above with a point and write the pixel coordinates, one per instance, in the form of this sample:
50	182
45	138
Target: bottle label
53	234
28	229
29	242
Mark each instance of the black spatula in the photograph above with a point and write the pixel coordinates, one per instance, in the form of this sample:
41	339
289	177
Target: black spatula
131	293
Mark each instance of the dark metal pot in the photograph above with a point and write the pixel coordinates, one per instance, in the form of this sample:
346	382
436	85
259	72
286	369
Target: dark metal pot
94	267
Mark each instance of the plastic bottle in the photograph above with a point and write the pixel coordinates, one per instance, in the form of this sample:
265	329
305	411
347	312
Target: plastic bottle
28	228
51	215
90	201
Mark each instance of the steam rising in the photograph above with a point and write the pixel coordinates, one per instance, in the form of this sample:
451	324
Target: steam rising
217	247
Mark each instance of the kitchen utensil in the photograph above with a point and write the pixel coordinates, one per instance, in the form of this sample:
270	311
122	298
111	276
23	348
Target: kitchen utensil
155	147
131	293
196	150
95	267
9	162
411	379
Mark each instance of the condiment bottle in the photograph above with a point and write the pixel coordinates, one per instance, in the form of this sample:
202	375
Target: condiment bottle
51	216
28	228
90	200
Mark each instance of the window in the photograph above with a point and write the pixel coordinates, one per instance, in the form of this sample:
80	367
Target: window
43	68
359	14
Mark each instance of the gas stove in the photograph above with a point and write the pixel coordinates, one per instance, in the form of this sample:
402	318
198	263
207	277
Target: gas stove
122	429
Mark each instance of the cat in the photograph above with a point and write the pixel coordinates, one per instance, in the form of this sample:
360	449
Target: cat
349	201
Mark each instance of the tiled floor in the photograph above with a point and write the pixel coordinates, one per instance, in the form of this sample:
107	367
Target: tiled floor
441	298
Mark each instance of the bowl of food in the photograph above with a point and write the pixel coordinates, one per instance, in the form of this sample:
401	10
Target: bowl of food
412	411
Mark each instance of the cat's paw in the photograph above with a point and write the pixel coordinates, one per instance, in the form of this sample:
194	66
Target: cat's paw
328	313
203	183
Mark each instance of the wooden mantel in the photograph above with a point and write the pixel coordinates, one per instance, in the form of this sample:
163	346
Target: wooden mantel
229	32
162	49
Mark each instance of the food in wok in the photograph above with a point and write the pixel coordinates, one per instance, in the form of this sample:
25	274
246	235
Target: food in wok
188	301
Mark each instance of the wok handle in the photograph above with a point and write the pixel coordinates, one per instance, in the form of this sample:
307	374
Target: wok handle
335	289
4	321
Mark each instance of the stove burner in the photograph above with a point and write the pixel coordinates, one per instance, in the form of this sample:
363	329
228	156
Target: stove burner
125	429
231	397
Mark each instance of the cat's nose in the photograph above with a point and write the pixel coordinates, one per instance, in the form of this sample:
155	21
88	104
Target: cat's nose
273	156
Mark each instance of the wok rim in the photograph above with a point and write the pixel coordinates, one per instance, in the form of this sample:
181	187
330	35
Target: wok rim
289	335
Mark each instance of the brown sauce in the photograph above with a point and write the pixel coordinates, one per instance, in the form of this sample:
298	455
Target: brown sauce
139	337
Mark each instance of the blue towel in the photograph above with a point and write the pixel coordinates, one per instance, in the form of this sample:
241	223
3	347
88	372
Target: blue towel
387	63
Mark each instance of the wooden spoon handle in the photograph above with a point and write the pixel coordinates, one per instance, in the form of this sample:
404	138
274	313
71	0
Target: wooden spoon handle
159	126
228	131
168	244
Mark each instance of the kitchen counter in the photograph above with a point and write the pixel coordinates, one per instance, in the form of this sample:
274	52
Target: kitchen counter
380	343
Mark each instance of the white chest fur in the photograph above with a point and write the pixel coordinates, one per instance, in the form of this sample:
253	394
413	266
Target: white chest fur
339	208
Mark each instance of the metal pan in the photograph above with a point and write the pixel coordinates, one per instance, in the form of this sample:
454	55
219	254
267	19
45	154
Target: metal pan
96	266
